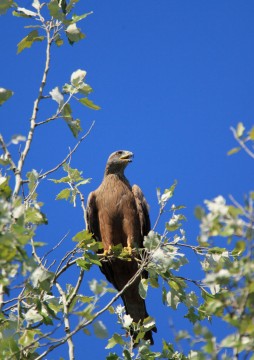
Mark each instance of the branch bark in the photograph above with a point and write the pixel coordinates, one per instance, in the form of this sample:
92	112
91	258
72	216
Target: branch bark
34	115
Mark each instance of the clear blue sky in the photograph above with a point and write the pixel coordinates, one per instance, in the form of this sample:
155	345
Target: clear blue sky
171	78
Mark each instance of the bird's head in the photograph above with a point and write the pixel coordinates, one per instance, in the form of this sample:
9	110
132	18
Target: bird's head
118	161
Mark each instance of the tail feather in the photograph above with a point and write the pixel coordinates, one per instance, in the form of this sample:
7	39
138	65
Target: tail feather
137	311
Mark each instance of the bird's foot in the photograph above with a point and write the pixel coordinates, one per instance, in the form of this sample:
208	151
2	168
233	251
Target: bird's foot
107	252
128	249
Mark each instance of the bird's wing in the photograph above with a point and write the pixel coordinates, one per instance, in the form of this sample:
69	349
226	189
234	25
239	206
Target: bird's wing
92	216
94	227
143	210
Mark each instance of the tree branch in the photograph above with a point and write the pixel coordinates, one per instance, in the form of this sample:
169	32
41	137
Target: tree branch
34	115
242	144
76	289
66	321
85	322
42	176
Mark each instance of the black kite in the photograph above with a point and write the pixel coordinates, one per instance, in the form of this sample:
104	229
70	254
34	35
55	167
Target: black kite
118	214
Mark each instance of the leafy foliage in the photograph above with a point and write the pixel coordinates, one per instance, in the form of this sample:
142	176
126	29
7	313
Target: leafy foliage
33	302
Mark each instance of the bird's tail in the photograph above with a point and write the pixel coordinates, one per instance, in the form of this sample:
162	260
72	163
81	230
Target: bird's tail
137	311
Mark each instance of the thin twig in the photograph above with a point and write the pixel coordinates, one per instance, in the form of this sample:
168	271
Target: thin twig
67	266
76	289
55	247
82	199
7	153
161	211
52	118
66	321
242	144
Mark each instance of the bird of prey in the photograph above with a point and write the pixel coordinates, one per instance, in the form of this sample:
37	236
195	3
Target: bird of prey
118	214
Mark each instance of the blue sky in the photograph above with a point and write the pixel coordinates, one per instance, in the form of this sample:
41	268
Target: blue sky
171	78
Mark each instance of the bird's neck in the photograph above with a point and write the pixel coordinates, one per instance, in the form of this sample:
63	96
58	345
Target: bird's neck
119	175
111	170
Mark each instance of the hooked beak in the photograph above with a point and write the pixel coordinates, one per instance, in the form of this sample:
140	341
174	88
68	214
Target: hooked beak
127	156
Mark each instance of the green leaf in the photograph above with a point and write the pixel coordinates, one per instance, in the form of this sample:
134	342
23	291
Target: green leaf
239	248
152	241
84	182
89	103
71	5
36	4
23	12
58	40
57	96
116	339
75	127
76	18
240	129
86	265
5	5
63	4
100	330
69	89
5	189
40	275
199	212
112	357
64	194
33	316
148	323
28	337
234	151
85	89
251	133
173	226
93	258
74	34
143	287
127	355
35	216
67	112
55	10
192	316
65	179
77	77
28	41
168	193
5	95
230	341
32	177
191	299
83	235
173	299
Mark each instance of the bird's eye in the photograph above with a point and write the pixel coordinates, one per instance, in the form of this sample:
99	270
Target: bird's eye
119	152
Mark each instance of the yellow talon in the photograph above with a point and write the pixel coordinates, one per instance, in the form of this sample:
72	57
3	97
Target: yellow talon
108	251
128	249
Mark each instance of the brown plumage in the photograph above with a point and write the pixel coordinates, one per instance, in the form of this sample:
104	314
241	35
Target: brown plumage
118	214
